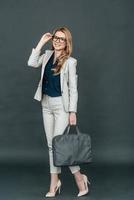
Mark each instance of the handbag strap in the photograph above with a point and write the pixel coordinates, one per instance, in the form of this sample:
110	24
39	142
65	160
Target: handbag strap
76	127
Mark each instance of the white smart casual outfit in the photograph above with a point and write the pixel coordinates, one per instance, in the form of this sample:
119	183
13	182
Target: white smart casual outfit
55	110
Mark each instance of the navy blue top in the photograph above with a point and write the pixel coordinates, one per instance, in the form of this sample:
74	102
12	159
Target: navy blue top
51	83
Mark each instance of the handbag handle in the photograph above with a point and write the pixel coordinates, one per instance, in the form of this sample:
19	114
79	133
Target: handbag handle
77	129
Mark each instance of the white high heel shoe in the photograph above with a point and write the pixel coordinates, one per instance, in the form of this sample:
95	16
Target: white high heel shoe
52	194
86	182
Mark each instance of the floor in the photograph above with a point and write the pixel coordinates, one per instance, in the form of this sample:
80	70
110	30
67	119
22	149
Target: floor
31	182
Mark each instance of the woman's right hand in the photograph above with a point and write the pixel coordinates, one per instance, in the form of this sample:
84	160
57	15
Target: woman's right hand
44	39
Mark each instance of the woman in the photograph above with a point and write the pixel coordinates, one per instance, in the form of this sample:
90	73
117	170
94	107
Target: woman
57	91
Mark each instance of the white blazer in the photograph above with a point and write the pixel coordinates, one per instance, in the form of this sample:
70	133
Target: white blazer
68	78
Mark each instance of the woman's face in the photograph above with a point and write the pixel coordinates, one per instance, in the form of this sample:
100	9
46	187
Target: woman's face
59	40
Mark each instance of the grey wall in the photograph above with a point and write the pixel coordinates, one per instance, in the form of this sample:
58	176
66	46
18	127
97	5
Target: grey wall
103	45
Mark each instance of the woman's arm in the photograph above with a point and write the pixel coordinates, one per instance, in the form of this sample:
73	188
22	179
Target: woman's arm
35	59
73	92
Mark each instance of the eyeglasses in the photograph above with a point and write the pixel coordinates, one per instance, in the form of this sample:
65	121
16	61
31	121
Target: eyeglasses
61	39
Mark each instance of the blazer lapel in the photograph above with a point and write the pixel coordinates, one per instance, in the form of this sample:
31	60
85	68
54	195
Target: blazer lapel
48	55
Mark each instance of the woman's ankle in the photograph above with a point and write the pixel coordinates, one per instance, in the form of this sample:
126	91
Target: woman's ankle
78	176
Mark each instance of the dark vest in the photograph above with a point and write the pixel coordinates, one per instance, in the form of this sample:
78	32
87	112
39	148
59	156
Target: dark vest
51	83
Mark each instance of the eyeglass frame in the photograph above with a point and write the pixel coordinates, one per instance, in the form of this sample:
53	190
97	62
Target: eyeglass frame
61	39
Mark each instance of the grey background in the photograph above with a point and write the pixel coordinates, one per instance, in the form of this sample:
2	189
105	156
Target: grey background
103	45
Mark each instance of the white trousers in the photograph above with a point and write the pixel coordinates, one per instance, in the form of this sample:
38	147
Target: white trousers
55	120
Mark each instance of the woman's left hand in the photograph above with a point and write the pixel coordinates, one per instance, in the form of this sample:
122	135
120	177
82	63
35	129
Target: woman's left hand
72	118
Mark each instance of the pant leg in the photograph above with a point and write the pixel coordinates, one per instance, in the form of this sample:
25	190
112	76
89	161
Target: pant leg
48	121
61	121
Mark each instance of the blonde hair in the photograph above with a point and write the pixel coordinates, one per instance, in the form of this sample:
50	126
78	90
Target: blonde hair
67	50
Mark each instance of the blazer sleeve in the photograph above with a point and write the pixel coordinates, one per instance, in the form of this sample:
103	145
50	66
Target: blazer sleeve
35	59
73	92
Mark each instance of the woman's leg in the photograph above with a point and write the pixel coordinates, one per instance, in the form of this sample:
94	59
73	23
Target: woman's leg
61	122
48	121
79	181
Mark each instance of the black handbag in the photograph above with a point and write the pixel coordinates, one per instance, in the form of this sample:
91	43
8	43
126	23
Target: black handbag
70	149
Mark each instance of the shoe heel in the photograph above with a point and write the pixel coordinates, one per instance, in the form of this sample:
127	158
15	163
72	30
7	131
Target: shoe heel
53	194
59	189
86	179
88	182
